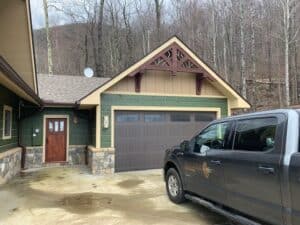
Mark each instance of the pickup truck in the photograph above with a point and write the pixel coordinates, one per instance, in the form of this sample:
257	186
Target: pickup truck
245	167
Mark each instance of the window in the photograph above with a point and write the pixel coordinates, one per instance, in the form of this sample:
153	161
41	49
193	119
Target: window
61	126
128	117
180	117
255	134
154	117
213	137
55	126
7	121
50	126
205	116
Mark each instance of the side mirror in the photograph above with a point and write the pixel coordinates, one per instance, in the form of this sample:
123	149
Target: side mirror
185	146
204	149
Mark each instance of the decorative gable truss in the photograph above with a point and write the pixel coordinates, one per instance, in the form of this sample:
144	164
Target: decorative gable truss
173	59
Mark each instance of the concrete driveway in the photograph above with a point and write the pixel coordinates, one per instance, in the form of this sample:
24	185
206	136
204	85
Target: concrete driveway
73	196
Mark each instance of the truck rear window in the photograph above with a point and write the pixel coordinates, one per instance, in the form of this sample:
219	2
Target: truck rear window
255	134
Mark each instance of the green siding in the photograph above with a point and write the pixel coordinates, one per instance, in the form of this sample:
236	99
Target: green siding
108	100
9	98
79	134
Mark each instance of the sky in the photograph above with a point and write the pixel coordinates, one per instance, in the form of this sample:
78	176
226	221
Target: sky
55	17
37	13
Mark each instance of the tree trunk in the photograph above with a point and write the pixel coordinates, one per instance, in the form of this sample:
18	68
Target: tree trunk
253	58
158	20
100	53
49	46
86	49
242	51
286	51
225	52
214	34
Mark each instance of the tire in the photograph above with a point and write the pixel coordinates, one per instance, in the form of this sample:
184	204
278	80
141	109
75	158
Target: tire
174	186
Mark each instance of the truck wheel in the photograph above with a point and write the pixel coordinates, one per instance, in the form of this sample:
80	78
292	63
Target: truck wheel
174	186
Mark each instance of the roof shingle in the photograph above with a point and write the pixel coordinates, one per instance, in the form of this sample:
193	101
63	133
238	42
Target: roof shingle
66	89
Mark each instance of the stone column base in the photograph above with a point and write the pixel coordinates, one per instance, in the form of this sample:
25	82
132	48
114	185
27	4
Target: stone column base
10	164
101	161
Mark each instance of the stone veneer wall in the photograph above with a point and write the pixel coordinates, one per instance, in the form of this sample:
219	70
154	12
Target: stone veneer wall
34	156
10	164
101	161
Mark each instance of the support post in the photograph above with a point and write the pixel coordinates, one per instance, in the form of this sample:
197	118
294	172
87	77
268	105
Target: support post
199	79
98	126
138	80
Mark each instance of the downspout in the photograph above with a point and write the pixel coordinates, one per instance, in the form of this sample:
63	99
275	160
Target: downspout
19	126
86	151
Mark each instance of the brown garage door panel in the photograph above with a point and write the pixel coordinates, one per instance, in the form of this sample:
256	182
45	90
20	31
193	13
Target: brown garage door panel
142	137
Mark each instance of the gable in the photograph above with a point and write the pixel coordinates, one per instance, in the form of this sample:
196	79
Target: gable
162	83
161	60
16	39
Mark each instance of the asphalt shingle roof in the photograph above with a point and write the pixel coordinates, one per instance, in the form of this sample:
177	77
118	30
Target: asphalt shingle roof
66	89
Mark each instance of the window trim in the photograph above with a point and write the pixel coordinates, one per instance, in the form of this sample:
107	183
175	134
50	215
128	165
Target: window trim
10	109
252	118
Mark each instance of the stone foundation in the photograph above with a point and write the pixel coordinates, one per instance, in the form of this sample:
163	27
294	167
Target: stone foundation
101	161
34	156
10	164
77	155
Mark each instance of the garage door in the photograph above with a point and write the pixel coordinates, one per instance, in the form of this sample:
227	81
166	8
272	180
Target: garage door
142	137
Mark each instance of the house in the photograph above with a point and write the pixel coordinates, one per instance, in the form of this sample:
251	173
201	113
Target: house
18	83
118	124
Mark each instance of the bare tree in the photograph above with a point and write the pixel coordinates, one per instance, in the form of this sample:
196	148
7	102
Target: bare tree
49	47
253	55
158	7
99	57
259	45
242	49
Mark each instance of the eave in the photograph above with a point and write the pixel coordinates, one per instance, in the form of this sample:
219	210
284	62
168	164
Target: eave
13	81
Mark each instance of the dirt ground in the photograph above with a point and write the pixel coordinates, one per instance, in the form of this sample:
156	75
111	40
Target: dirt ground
73	196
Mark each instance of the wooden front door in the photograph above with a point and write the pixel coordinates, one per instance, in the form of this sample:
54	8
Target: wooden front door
56	139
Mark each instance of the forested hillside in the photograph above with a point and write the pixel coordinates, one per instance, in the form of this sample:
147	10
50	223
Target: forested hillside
253	44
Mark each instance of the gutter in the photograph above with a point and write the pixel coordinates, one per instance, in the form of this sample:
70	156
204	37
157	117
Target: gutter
12	75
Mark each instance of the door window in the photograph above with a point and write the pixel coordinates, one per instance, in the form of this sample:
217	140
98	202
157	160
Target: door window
205	116
213	137
154	117
128	117
56	126
50	126
255	134
180	116
61	126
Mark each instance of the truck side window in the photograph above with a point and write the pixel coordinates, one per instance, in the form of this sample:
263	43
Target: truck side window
255	134
213	137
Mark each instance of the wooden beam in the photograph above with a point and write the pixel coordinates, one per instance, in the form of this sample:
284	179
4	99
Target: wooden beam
199	79
138	79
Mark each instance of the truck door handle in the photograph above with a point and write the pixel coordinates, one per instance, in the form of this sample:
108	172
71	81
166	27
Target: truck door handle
266	170
216	162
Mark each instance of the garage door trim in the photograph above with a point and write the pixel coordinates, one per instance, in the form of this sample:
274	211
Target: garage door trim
157	108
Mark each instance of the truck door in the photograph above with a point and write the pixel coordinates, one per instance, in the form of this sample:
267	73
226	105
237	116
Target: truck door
252	168
206	172
294	183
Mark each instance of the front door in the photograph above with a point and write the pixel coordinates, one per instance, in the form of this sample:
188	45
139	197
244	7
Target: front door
56	139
